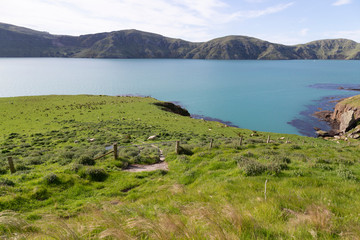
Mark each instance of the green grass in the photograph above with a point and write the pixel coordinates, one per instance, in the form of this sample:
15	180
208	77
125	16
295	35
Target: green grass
352	101
312	190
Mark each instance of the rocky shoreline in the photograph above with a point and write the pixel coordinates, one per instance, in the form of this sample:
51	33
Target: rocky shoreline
343	120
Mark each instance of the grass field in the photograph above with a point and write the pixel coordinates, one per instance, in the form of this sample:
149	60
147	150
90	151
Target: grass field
60	192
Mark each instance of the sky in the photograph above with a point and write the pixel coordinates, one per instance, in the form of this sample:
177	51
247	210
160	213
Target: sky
280	21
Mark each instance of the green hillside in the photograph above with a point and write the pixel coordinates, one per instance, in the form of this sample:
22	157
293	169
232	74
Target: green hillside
212	191
136	44
329	49
22	42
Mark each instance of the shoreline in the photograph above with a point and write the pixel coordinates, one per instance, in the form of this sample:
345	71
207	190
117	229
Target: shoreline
316	118
204	117
327	115
307	122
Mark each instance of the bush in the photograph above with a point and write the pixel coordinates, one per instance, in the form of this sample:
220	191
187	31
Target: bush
345	173
40	193
21	167
86	160
76	167
52	178
295	147
68	155
34	160
251	167
279	162
274	168
6	182
130	152
299	173
322	166
3	170
96	174
249	154
120	163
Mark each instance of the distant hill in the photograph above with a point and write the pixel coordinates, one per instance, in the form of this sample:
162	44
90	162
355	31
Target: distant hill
23	42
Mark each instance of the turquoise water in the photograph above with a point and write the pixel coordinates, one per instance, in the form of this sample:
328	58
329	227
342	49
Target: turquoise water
258	95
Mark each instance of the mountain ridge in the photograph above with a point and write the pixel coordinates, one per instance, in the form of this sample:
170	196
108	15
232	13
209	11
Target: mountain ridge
24	42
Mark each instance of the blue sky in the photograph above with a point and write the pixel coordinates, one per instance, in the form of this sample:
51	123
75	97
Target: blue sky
281	21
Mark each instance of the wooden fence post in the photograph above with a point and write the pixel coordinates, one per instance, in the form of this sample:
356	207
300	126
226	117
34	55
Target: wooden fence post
11	165
268	139
241	139
177	147
211	143
115	151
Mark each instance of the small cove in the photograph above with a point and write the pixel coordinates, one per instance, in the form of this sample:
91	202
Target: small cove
258	95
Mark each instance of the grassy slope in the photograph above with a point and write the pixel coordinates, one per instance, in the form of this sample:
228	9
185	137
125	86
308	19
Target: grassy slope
352	101
312	188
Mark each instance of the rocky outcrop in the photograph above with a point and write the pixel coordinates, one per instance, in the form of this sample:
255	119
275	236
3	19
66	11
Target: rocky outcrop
171	107
346	115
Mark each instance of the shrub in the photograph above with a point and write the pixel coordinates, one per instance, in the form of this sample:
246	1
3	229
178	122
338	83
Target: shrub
34	160
345	173
323	161
295	147
279	162
323	166
130	152
40	193
299	173
249	154
6	182
86	160
52	178
251	167
274	168
3	170
96	174
346	161
76	167
21	167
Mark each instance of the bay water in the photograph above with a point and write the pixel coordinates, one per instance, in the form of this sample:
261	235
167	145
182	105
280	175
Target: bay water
272	96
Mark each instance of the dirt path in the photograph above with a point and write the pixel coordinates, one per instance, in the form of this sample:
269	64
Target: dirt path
162	165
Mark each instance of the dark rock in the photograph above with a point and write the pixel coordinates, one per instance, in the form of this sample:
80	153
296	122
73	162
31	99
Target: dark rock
171	107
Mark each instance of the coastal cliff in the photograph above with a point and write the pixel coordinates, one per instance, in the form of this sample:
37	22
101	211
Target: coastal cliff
347	113
343	120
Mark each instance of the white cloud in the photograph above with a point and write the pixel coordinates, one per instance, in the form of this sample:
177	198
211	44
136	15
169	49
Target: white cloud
187	19
341	2
263	12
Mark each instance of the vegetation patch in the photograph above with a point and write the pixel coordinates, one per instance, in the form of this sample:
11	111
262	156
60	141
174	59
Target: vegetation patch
213	189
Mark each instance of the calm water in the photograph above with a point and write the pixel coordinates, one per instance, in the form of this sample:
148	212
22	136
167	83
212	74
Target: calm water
258	95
